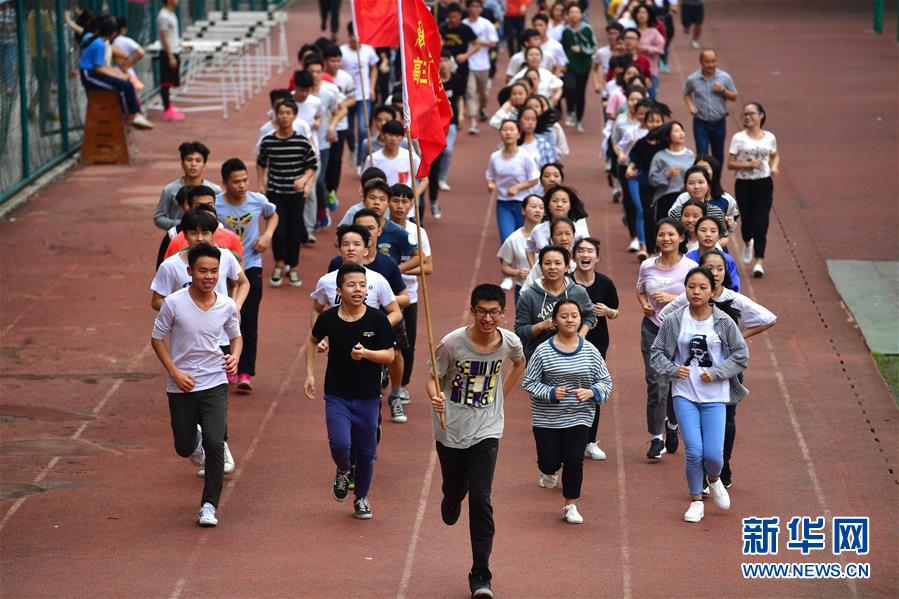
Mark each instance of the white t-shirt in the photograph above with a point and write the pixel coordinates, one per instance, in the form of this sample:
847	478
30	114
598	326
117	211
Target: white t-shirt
194	337
516	63
346	85
396	168
172	276
554	32
379	293
548	82
331	97
514	253
752	314
128	45
745	149
411	281
300	127
167	21
552	48
485	32
602	56
310	109
349	62
540	237
700	348
506	172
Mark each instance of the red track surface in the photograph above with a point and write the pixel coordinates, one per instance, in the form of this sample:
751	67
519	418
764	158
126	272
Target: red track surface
96	503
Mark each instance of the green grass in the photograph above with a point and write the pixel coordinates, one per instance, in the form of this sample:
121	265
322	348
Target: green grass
888	364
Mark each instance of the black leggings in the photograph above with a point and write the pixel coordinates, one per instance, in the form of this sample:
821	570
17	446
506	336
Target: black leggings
249	322
335	160
512	29
576	93
410	318
563	448
627	204
755	198
331	7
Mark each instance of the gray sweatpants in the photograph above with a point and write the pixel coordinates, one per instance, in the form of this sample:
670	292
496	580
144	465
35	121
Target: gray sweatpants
209	409
656	385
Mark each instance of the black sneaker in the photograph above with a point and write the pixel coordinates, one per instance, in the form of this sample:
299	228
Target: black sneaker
726	477
341	486
363	509
656	449
480	587
671	441
450	511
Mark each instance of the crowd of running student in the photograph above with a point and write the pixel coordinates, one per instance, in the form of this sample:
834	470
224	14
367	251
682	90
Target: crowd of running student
364	307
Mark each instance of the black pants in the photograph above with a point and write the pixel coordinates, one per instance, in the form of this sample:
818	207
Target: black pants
470	472
335	160
630	213
249	322
291	229
512	29
330	7
434	179
649	221
576	93
594	428
563	448
755	198
730	432
209	409
410	318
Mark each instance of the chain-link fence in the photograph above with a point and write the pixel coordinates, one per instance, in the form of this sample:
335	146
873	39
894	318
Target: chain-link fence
42	101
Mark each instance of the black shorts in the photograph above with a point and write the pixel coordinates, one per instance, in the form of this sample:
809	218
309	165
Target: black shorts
691	14
169	77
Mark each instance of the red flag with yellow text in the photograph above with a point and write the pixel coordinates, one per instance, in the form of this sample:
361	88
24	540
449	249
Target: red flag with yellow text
425	106
375	22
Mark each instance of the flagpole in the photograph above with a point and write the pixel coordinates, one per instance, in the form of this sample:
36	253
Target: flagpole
424	278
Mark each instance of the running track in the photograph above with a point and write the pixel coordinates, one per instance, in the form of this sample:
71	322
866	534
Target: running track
95	502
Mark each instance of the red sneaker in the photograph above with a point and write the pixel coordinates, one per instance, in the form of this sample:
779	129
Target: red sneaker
171	114
244	382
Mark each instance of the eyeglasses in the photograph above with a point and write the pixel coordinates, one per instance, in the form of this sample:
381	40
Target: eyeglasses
494	314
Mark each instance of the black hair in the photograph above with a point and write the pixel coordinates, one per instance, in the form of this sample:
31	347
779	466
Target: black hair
210	208
527	34
591	240
383	108
557	165
107	25
524	202
372	173
199	221
529	48
289	104
629	30
199	190
350	29
121	22
506	92
563	301
376	185
540	17
181	194
364	233
561	219
726	307
363	212
566	255
203	250
621	62
193	147
727	282
630	89
454	7
393	127
332	51
278	94
716	189
616	26
701	270
230	166
665	132
514	121
399	190
313	59
346	269
322	43
576	211
655	110
761	110
305	49
302	80
488	292
651	22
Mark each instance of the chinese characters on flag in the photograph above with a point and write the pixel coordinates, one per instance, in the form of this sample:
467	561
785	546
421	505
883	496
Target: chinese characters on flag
425	105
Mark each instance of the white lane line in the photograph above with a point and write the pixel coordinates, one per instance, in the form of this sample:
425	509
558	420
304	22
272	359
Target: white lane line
432	459
74	436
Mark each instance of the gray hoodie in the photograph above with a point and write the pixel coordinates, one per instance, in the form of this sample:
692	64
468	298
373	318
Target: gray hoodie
536	304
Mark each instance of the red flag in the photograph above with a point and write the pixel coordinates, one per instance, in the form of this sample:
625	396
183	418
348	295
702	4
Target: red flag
374	22
425	106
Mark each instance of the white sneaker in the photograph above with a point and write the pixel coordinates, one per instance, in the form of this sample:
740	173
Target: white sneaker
276	277
507	284
579	127
634	245
571	515
594	452
569	120
694	44
198	457
695	513
206	517
758	272
141	122
719	495
444	186
229	460
548	481
747	252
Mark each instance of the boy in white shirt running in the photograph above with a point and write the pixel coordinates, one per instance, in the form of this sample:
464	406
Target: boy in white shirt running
192	319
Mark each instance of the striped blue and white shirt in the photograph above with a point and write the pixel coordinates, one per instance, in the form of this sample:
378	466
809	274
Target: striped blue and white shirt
549	368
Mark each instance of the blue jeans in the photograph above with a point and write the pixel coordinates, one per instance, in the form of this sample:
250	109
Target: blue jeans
654	90
709	134
702	426
448	153
633	185
354	422
360	131
508	217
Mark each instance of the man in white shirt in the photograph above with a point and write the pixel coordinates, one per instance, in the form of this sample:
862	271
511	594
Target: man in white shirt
551	48
479	64
354	54
395	163
530	38
192	319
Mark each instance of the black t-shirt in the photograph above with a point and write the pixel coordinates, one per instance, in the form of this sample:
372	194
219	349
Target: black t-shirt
346	377
642	153
455	91
456	39
384	265
602	291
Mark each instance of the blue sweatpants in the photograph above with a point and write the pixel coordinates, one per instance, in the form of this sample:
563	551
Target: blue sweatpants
702	426
509	217
353	422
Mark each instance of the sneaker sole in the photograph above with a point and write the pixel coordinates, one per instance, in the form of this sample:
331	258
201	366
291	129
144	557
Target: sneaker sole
693	520
659	457
297	284
398	420
363	516
208	524
336	498
482	594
